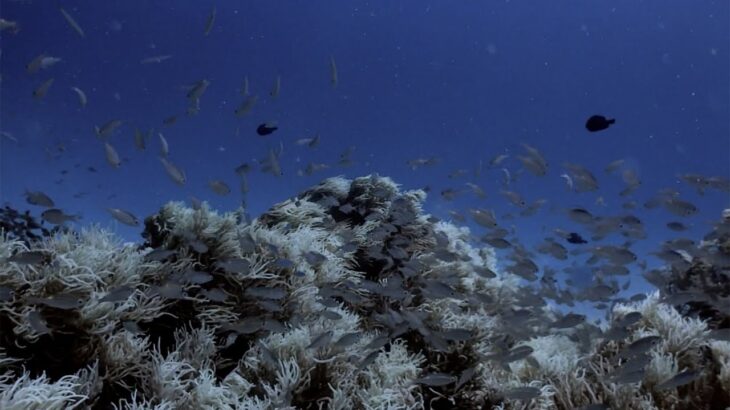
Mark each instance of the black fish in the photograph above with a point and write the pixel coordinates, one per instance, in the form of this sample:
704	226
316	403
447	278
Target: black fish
575	238
266	129
598	123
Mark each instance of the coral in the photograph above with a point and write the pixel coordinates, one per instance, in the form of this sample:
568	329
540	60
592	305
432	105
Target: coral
347	296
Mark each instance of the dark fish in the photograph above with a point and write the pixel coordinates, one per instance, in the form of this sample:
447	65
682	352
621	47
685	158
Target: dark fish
598	123
680	379
30	258
266	128
575	238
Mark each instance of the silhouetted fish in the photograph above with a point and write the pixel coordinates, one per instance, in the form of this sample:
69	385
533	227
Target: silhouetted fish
575	238
266	128
598	123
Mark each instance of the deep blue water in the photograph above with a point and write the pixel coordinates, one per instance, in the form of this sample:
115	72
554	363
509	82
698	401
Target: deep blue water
462	81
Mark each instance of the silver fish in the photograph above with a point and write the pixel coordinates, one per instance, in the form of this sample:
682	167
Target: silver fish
246	106
321	340
123	216
71	22
38	198
42	89
680	379
30	258
219	187
522	393
112	157
155	59
436	379
81	94
108	128
334	78
175	173
57	217
277	87
210	21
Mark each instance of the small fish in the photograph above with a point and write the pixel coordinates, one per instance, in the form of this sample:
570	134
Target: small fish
271	164
598	123
680	207
680	379
246	106
641	346
347	339
139	140
575	238
108	128
60	301
494	162
123	216
164	147
277	87
420	162
30	258
244	89
333	72
235	265
71	22
82	96
219	187
266	292
321	340
155	59
12	26
568	321
56	216
170	120
210	21
175	173
37	323
266	128
676	226
35	64
568	180
309	142
112	157
42	89
198	90
46	62
515	198
522	393
580	215
38	198
118	294
436	379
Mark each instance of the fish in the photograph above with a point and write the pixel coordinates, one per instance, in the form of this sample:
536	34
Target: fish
56	216
112	157
477	190
522	393
71	22
9	25
37	323
118	294
219	187
81	95
155	59
108	128
580	215
264	292
515	198
266	128
170	120
30	258
164	147
46	62
67	301
680	207
277	87
245	88
210	21
123	216
271	164
38	198
321	340
198	90
175	173
139	140
309	142
568	181
568	321
420	162
532	165
598	123
575	238
333	72
35	64
680	379
246	106
436	379
494	162
42	89
640	346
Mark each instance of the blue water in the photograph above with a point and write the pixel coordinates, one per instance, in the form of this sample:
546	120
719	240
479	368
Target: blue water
462	81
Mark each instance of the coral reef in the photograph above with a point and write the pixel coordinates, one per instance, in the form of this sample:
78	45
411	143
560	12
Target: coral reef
346	296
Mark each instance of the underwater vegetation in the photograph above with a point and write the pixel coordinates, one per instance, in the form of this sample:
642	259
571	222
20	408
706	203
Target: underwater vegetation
347	296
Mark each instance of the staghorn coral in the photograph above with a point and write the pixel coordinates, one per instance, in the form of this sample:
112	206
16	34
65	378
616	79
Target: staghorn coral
346	296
